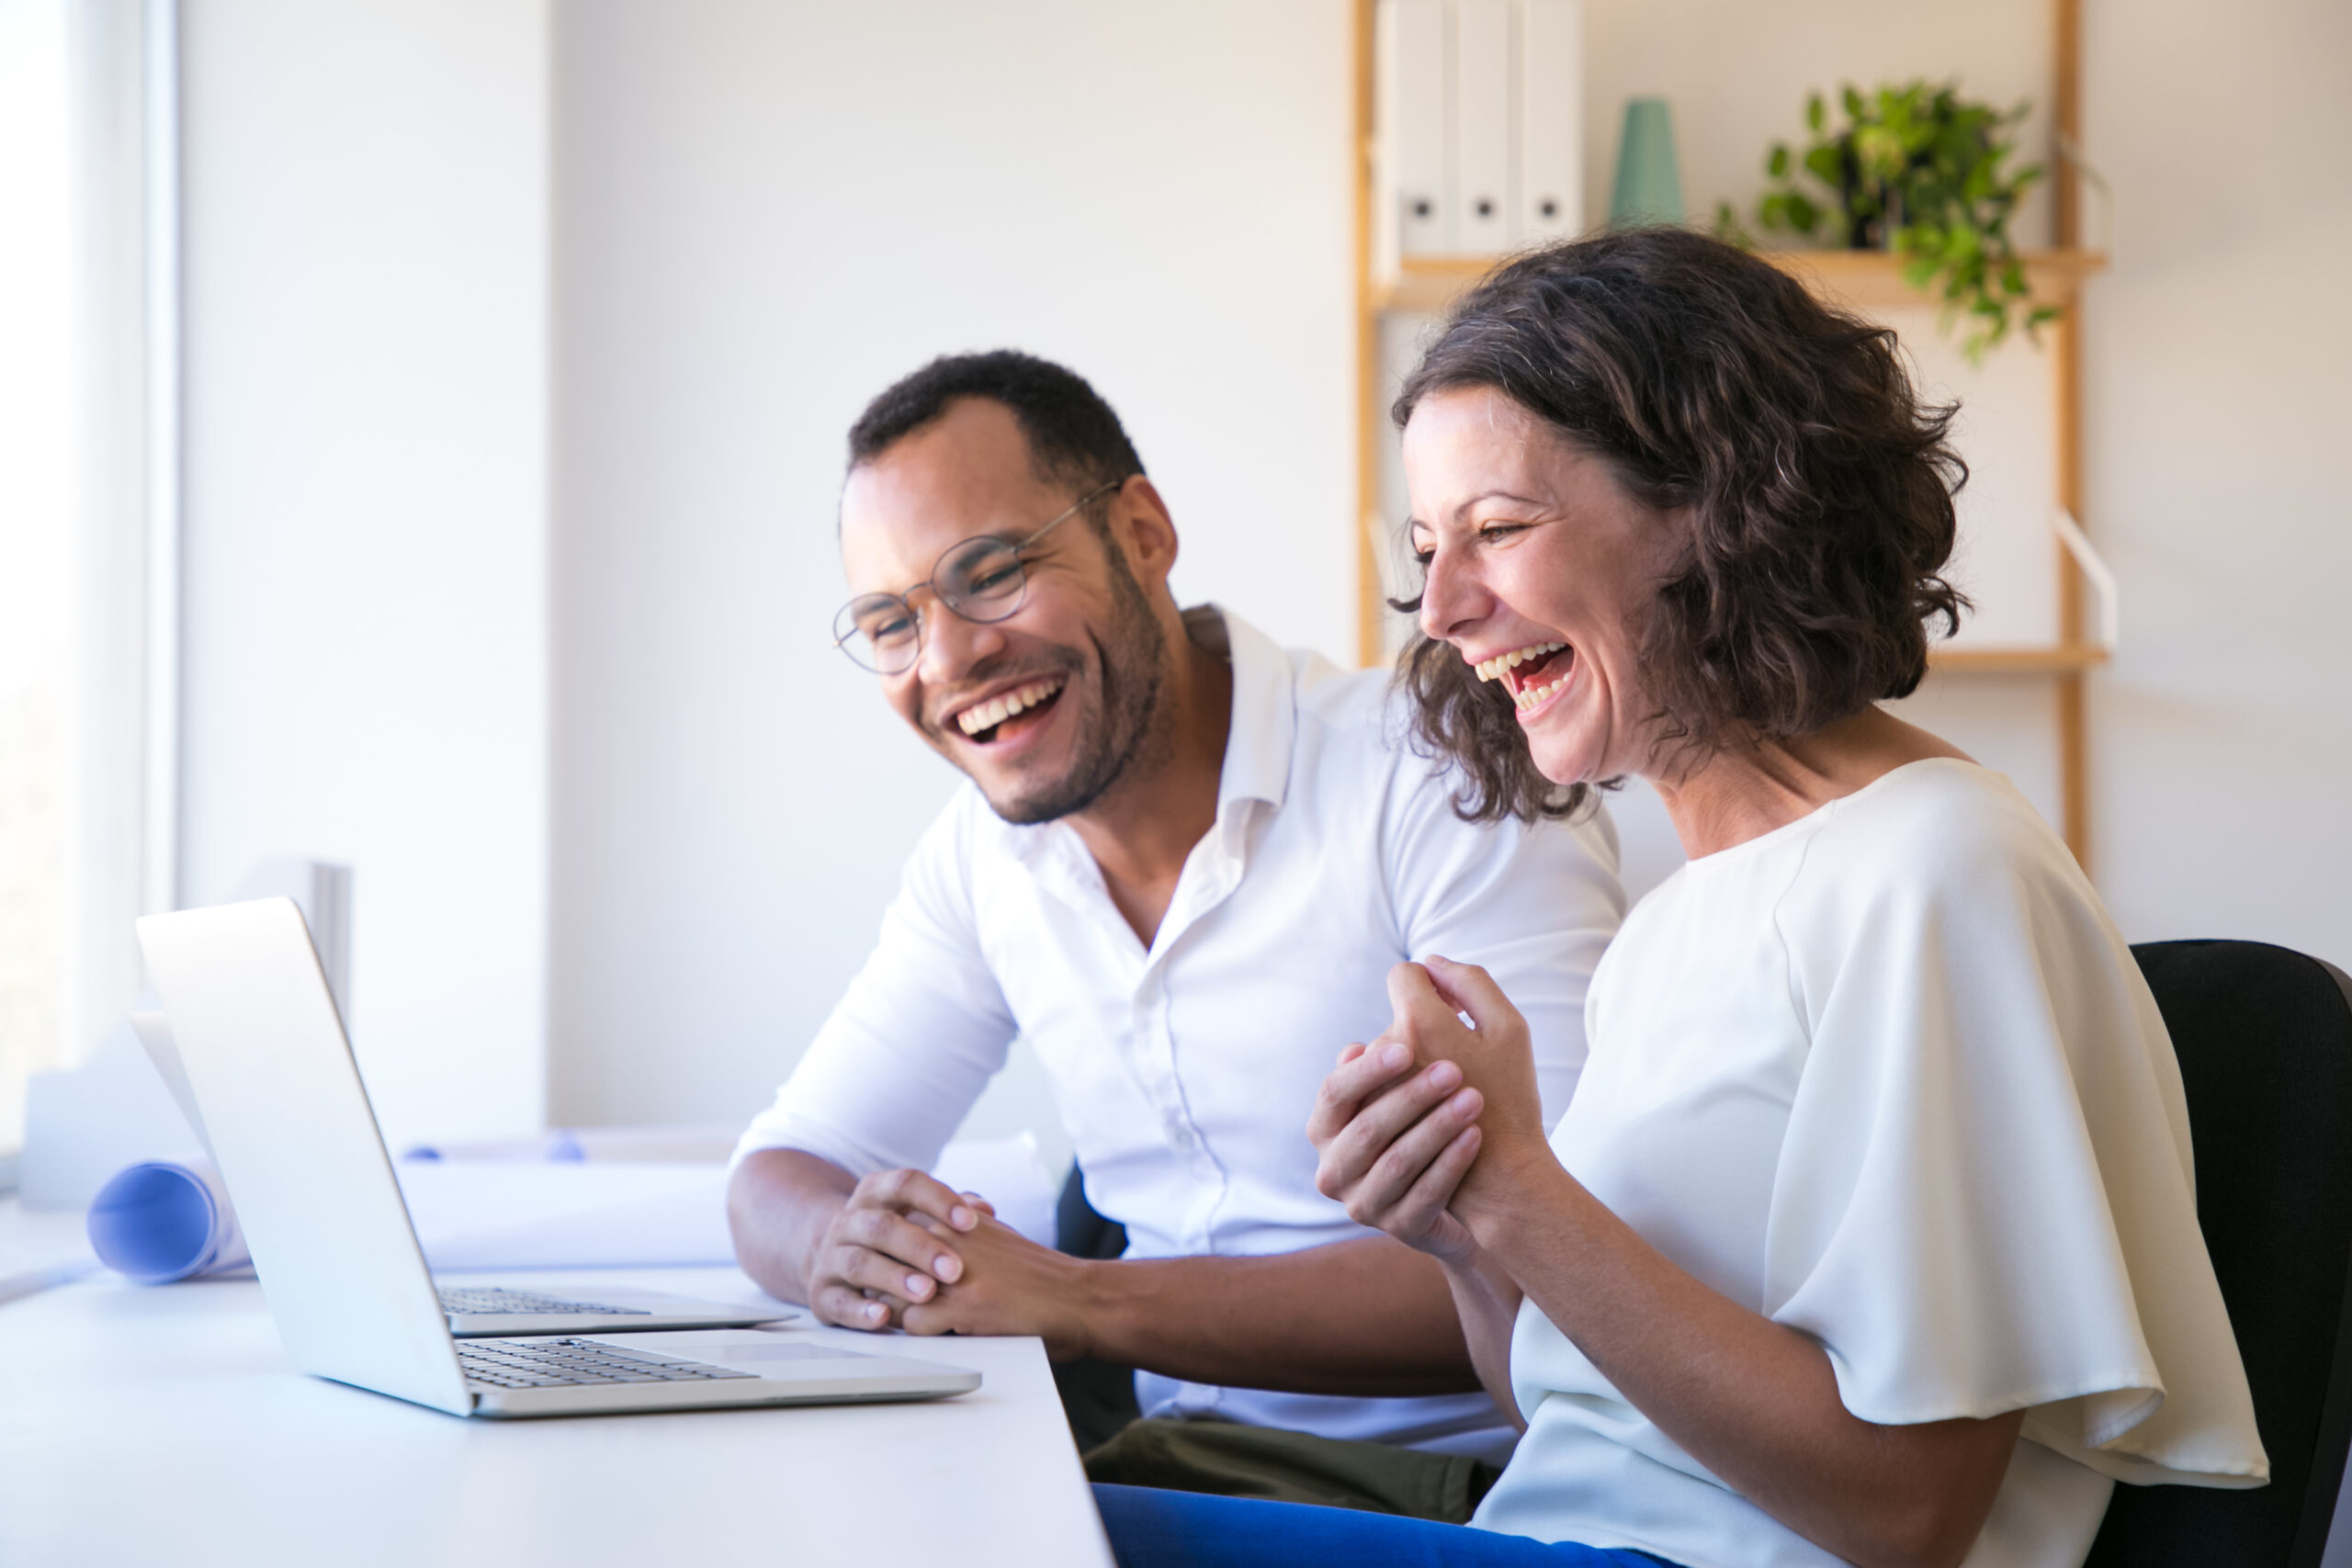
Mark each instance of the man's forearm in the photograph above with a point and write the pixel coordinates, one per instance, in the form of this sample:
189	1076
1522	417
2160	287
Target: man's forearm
1369	1318
779	1202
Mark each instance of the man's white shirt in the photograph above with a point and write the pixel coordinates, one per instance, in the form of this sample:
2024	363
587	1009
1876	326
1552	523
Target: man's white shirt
1184	1073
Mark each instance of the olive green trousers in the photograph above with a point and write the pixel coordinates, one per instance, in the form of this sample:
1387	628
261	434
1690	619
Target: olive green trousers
1235	1461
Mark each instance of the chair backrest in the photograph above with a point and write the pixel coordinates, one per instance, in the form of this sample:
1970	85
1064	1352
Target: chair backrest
1079	1230
2265	1041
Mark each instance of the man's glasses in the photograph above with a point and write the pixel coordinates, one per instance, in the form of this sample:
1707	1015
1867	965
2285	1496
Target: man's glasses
981	580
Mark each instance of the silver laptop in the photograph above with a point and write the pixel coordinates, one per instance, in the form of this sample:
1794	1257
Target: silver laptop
296	1145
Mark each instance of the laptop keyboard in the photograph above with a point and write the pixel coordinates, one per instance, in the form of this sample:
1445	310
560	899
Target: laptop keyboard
458	1300
553	1363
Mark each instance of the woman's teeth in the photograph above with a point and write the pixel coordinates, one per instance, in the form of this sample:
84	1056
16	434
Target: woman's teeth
1536	696
1493	669
996	710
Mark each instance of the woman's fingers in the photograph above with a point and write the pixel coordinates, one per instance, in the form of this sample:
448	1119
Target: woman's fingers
1375	1198
1356	1079
1421	1214
1413	996
1465	988
1348	1150
1388	1118
1428	1015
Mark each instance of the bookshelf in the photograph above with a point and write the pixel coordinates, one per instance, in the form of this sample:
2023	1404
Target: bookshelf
1864	280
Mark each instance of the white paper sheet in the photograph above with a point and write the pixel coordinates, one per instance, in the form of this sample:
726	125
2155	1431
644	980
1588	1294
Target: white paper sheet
510	1213
566	1214
590	1214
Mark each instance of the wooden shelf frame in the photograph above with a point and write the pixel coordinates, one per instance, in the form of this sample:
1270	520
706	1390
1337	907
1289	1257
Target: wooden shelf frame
2064	658
1864	279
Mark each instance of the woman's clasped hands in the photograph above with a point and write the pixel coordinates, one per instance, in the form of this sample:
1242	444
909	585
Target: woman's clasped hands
1401	1123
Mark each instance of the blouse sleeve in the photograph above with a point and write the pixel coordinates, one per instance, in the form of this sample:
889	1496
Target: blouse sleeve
1987	1200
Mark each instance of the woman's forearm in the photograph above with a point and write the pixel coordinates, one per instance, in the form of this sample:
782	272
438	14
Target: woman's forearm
1755	1401
1487	1299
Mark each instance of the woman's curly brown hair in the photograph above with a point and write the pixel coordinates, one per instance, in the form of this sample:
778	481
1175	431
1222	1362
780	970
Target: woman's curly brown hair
1813	486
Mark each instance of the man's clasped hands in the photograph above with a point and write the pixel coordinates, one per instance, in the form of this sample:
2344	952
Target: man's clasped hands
1413	1129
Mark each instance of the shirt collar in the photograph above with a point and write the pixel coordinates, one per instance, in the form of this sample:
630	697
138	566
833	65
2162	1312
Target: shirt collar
1258	738
1265	707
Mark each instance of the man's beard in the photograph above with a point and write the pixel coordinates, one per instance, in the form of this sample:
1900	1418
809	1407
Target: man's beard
1134	663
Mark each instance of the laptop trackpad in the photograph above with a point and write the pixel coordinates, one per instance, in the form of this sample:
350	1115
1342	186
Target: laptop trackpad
743	1353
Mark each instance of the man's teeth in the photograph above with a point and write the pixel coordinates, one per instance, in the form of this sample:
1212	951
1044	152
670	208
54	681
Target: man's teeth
996	710
1537	696
1493	668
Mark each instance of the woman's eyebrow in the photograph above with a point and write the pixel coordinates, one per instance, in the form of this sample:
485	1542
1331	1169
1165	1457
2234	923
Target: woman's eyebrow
1498	495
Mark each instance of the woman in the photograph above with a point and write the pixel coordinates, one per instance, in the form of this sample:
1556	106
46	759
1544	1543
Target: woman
1871	1233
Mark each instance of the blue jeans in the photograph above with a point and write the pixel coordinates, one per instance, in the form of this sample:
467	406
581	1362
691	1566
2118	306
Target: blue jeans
1150	1528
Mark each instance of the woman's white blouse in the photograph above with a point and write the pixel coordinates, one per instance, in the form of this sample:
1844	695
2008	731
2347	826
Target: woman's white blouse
1889	1075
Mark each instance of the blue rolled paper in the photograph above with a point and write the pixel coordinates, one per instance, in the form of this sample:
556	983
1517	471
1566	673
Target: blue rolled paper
160	1221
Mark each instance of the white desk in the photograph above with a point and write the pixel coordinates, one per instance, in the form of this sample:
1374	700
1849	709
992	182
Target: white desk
165	1425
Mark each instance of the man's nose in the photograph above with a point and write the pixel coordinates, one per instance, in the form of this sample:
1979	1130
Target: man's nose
952	645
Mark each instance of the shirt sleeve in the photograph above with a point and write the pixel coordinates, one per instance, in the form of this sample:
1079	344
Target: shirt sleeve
916	1038
1985	1200
1533	905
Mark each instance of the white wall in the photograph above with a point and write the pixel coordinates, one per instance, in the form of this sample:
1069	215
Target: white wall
1735	77
2218	410
765	214
2214	401
365	306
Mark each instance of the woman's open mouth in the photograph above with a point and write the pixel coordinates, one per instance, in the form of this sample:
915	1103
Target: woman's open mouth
1010	714
1532	675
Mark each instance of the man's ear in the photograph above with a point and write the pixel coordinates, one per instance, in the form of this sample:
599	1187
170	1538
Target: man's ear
1141	526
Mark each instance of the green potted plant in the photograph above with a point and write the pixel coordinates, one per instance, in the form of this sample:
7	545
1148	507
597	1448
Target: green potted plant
1919	171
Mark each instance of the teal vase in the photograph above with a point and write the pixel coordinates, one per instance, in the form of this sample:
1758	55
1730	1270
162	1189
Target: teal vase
1649	187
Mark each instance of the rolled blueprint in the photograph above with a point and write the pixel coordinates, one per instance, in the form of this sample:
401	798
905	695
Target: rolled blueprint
159	1221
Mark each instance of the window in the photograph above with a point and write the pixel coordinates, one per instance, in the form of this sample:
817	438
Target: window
88	594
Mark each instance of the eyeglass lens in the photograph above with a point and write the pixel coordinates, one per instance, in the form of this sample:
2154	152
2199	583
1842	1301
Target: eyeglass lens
980	580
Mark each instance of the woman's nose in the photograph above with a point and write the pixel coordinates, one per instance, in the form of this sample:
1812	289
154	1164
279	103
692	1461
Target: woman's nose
1452	599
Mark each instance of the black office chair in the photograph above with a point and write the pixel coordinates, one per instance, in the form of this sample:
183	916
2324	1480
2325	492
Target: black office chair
2264	1040
1098	1397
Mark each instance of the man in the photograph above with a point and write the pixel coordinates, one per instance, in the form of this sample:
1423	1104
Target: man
1183	864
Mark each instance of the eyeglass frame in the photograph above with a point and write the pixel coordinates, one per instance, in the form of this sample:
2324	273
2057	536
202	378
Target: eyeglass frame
1020	597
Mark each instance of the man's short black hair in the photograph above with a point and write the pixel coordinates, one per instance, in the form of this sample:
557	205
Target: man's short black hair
1074	437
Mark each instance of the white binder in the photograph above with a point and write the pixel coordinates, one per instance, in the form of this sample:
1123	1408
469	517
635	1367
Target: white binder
1485	204
1551	120
1413	85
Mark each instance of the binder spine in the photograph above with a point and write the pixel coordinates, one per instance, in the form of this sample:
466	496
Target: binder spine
1486	214
1551	120
1412	84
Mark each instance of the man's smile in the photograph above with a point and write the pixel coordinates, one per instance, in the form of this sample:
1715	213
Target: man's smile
984	720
